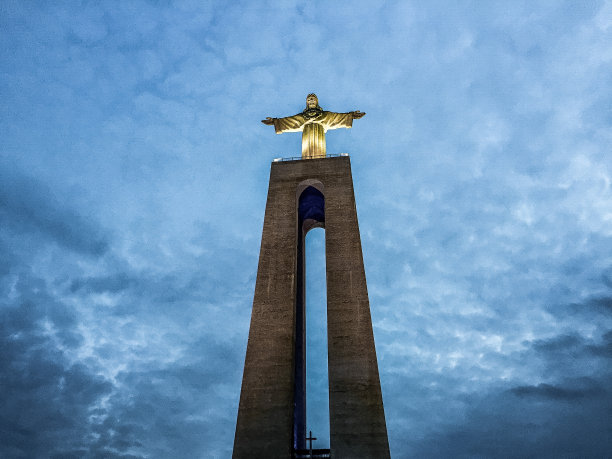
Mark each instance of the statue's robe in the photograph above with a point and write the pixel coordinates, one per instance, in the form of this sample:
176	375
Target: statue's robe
313	129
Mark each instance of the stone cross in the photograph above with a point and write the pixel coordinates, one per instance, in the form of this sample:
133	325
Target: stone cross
309	439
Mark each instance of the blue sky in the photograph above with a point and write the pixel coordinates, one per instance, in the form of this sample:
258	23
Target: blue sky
133	179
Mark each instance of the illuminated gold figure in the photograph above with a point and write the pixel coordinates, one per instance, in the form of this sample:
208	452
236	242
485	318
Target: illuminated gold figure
313	122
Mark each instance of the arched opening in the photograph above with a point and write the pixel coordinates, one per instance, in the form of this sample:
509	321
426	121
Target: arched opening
317	380
311	392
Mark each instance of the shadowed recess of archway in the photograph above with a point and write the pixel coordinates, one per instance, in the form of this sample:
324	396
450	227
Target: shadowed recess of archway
312	205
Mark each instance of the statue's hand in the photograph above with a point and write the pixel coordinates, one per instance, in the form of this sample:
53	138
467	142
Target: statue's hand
357	114
269	121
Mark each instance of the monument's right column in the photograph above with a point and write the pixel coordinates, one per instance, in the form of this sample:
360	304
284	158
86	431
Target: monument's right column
357	418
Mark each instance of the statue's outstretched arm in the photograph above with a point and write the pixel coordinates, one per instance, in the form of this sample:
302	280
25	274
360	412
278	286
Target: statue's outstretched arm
333	120
287	124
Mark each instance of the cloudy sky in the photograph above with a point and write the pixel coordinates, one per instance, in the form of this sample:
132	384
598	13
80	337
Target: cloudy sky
133	180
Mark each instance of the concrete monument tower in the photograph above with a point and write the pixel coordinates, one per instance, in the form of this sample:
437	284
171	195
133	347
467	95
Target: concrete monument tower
313	191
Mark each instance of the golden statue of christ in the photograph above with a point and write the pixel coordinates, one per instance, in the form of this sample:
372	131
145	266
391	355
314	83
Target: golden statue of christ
313	122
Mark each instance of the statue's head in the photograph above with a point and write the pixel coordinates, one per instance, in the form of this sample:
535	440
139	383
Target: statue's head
312	101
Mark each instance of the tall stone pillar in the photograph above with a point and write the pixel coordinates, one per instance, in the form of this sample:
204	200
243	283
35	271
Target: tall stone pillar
271	414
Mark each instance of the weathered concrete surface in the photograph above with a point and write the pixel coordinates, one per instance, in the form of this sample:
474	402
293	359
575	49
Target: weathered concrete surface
265	417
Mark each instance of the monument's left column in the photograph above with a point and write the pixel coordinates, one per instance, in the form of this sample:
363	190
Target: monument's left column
265	415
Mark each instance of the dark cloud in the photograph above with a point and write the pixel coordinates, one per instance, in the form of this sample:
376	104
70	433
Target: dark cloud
567	416
29	206
600	305
46	399
573	358
159	408
112	284
606	277
564	414
594	307
502	425
175	411
561	343
56	407
32	306
587	388
604	349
